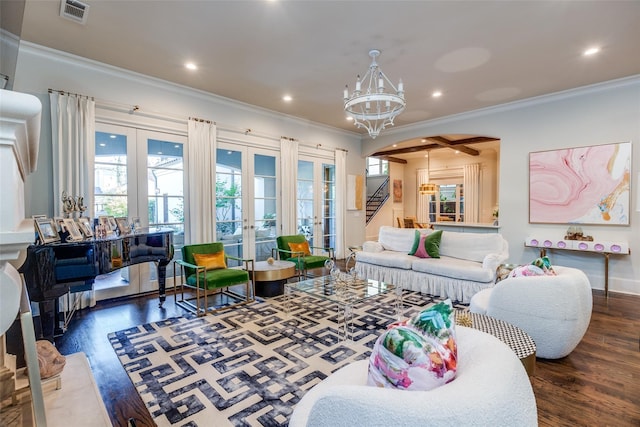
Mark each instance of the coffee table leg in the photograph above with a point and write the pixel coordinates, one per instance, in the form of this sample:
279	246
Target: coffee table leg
344	317
398	303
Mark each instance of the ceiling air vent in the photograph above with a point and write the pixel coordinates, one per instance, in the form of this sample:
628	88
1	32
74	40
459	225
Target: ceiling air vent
74	10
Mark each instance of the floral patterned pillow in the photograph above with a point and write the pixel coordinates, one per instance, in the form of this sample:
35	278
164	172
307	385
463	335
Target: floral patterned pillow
417	354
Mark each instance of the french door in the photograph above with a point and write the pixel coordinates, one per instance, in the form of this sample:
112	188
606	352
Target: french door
247	220
316	212
138	174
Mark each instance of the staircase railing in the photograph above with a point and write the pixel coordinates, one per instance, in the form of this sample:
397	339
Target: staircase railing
377	199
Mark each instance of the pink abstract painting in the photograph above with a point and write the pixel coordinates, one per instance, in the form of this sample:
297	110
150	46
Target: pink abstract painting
584	185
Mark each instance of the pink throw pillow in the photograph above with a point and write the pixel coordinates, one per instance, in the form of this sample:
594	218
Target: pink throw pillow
421	251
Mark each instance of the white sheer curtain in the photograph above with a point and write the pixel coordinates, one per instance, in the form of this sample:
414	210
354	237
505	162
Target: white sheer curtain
73	133
289	179
341	202
202	181
472	193
422	213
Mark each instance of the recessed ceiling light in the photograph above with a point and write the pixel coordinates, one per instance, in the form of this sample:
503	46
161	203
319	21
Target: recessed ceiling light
287	98
349	118
102	144
426	155
112	136
394	145
191	66
176	146
437	94
423	140
591	51
457	152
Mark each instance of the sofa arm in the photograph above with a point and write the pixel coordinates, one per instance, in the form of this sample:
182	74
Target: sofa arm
372	247
493	261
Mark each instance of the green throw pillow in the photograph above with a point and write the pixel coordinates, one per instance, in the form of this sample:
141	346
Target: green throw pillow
427	246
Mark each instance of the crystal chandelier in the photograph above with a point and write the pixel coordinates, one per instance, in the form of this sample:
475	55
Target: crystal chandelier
373	108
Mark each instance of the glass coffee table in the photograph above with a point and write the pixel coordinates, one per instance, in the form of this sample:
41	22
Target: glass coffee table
345	292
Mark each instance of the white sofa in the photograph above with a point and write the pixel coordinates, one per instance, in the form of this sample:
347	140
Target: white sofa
554	310
491	388
467	263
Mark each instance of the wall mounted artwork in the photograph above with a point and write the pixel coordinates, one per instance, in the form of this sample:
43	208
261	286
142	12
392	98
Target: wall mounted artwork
583	185
397	191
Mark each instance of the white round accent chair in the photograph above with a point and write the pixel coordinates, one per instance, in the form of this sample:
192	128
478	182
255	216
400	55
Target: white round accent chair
491	388
554	310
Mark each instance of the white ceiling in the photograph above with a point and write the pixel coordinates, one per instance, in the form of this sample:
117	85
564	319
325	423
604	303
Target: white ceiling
479	53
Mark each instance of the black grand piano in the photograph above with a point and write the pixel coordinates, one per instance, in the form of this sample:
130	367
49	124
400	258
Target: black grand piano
51	270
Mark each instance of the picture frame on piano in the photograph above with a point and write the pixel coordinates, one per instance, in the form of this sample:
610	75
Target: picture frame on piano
47	230
60	224
135	223
123	225
84	224
106	222
74	232
113	225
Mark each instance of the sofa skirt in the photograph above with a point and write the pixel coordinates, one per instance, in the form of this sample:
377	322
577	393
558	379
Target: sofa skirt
444	287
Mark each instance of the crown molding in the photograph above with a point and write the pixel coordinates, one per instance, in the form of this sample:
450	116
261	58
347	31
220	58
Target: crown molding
523	103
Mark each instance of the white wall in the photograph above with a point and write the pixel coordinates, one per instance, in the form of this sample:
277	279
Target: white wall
600	114
39	69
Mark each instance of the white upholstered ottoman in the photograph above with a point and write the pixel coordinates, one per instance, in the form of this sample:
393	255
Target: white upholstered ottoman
554	310
491	388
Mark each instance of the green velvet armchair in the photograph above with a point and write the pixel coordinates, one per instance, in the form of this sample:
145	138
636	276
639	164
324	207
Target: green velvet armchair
208	277
304	261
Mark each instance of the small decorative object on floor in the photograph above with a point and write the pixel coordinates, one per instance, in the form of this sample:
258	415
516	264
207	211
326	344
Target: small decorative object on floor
270	261
50	361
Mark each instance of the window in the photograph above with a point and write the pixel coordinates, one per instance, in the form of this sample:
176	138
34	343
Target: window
447	204
377	166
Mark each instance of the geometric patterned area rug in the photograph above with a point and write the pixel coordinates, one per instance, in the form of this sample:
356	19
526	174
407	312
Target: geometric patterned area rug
248	366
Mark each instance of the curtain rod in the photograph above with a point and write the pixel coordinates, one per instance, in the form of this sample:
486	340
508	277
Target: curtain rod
202	120
62	92
116	106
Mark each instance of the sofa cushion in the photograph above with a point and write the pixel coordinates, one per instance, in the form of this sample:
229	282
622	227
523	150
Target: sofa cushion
398	239
386	259
454	268
471	246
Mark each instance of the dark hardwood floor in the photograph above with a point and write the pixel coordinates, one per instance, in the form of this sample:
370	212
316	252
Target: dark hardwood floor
597	384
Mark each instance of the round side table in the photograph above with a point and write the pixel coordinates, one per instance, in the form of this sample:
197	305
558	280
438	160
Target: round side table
270	278
518	340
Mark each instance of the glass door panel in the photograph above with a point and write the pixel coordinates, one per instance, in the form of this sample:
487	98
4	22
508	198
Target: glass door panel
306	216
316	202
165	192
229	214
265	206
129	162
328	229
115	184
